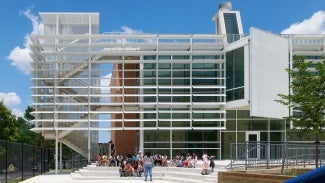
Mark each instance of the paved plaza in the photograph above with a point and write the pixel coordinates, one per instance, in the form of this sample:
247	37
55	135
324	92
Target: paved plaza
66	178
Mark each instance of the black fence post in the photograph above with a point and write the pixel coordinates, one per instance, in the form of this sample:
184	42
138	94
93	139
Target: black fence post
22	161
41	160
268	154
6	168
48	159
246	155
44	161
33	161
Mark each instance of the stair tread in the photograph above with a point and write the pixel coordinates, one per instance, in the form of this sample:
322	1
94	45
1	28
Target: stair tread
172	174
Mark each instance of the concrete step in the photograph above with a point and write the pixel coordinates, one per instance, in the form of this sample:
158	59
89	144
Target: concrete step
162	175
171	174
179	178
113	170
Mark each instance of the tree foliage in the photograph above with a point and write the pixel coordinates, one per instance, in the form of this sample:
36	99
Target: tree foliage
18	129
307	99
9	131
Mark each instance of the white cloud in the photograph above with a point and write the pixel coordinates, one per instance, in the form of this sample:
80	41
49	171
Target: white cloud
20	56
17	112
10	99
129	30
21	59
313	25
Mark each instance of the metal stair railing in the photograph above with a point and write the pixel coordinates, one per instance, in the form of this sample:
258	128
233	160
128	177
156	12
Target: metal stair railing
76	70
74	146
271	154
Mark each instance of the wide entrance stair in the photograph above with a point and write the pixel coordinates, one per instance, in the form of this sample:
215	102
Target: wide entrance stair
170	174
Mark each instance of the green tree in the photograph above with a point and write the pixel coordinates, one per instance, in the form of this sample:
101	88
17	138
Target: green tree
307	97
24	125
7	124
26	135
28	116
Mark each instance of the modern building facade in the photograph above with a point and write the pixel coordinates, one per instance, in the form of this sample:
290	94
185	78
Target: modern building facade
165	93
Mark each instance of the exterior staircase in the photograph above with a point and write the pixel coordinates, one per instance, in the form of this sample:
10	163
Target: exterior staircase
170	174
74	147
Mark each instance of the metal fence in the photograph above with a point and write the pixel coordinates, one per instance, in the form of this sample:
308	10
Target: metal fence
22	161
264	154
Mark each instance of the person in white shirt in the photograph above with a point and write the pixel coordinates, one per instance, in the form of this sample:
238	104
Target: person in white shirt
205	159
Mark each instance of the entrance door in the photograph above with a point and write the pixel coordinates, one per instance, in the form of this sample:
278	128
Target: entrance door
253	144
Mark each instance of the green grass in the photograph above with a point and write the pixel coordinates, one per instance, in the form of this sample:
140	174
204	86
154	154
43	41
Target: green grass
17	180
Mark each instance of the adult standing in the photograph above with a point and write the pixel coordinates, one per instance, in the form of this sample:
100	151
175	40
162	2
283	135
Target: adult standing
111	144
205	159
194	157
148	164
119	159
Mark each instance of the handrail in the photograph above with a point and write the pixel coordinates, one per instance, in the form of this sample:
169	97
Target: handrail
271	154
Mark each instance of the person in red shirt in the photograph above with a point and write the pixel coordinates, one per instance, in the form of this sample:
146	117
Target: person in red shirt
99	160
128	169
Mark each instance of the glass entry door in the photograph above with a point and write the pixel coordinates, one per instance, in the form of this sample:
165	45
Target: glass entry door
253	145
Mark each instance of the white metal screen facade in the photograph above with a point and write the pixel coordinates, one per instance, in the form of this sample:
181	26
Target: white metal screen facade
84	82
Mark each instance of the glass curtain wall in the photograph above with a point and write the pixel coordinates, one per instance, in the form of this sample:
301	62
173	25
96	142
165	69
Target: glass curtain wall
174	84
239	123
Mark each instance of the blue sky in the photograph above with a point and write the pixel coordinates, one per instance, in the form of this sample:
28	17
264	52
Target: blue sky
19	18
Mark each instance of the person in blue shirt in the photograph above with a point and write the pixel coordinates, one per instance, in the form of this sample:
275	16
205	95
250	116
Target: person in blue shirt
148	164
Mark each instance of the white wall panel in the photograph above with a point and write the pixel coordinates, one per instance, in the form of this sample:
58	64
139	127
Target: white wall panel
268	60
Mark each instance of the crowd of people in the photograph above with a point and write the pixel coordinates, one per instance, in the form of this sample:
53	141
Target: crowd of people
138	165
105	160
189	161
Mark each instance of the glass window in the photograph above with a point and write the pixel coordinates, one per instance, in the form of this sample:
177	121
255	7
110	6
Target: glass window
181	57
181	90
164	99
277	124
164	91
149	123
181	99
149	90
149	99
164	57
149	66
231	125
180	115
149	81
149	57
164	74
235	74
149	115
181	66
163	66
231	26
164	124
231	114
181	82
164	82
181	124
149	73
205	66
203	57
181	73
